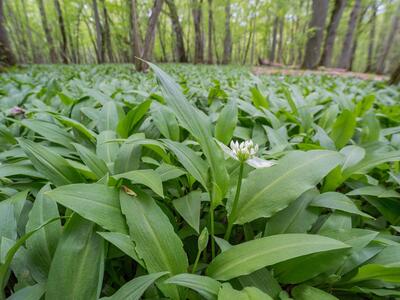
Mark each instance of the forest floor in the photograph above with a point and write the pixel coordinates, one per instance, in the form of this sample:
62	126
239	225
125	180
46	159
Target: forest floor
267	70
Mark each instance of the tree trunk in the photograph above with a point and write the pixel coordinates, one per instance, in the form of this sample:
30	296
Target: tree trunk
136	38
107	32
29	31
274	38
215	45
20	43
317	23
395	78
47	32
331	33
355	40
371	44
176	25
99	34
380	68
7	58
345	58
161	33
210	32
64	50
198	31
280	44
226	59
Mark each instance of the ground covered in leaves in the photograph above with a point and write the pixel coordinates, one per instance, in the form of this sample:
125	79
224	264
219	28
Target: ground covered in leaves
119	185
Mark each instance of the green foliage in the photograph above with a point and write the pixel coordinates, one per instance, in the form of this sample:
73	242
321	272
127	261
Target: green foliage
119	189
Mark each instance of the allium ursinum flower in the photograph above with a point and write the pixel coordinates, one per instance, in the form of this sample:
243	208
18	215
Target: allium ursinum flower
246	152
16	110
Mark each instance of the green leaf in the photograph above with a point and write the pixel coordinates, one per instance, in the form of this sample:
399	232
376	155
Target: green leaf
205	286
106	150
50	164
226	123
377	272
94	163
108	117
377	191
34	292
42	245
306	292
156	242
95	202
343	128
128	156
149	178
77	266
193	163
134	289
353	155
196	123
168	172
253	255
338	201
226	292
297	172
127	124
188	207
165	121
258	99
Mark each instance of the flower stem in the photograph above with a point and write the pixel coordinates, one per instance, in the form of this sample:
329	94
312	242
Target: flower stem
196	262
212	231
232	215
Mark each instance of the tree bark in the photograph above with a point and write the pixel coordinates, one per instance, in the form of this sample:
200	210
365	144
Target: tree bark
47	32
198	31
371	44
107	32
7	58
136	38
226	59
64	49
99	34
345	58
355	40
395	77
331	33
274	39
210	33
176	25
380	68
35	57
280	44
317	23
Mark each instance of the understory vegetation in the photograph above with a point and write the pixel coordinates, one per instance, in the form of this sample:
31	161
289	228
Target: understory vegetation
123	185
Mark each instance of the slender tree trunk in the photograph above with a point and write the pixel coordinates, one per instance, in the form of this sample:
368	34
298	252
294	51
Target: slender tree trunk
161	33
107	32
280	44
64	50
22	45
215	45
380	68
355	40
176	25
47	32
317	23
198	31
136	38
7	58
246	49
395	77
210	32
274	39
77	28
99	34
331	33
29	32
345	58
226	59
371	44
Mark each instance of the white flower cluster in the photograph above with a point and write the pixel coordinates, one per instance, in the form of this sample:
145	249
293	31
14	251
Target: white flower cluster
244	150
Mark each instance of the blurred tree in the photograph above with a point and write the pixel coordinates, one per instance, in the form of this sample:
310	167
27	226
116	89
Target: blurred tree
7	58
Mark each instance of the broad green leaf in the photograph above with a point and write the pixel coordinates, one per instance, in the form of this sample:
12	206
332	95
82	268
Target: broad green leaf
306	292
297	172
128	156
50	164
42	245
77	266
253	255
95	202
226	292
165	121
168	172
263	280
196	123
122	242
353	155
149	178
205	286
258	99
338	201
377	191
79	127
94	163
156	242
105	149
134	289
127	124
34	292
343	128
377	272
226	123
108	117
193	163
188	207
